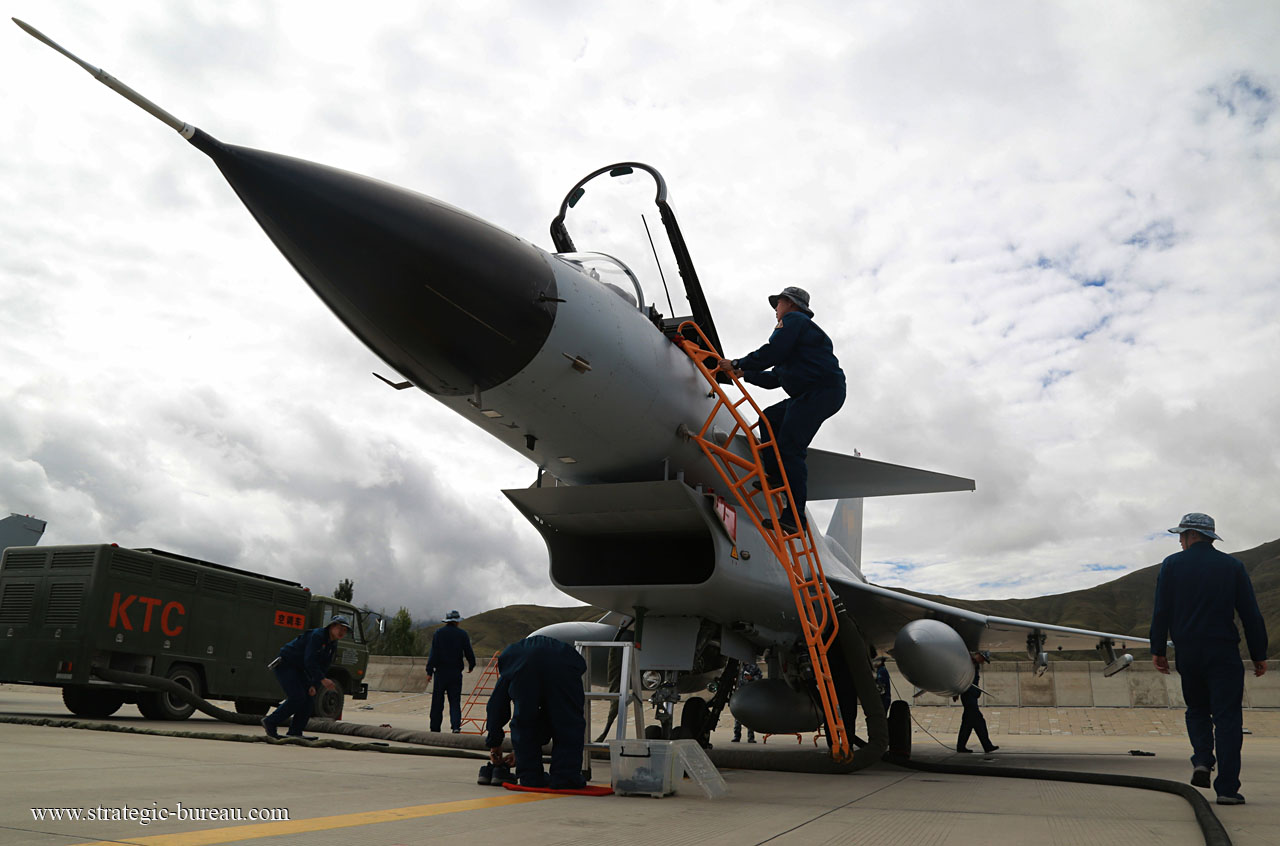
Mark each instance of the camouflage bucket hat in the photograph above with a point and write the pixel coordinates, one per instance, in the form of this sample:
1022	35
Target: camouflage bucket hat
799	296
1196	522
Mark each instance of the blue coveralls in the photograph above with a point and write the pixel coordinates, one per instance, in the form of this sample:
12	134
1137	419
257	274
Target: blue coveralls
748	674
304	661
799	359
449	645
971	720
1198	593
882	682
540	691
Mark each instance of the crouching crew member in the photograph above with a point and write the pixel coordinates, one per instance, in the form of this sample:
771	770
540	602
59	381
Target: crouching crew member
300	668
539	691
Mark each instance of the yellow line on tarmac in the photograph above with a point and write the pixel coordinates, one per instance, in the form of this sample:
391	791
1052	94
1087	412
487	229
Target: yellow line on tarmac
238	833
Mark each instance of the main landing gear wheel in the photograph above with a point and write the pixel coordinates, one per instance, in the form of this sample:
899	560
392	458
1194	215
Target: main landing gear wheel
900	728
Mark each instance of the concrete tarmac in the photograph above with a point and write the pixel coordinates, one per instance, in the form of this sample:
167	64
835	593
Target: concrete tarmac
209	790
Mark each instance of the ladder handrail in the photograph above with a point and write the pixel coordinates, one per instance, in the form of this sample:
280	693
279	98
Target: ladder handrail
796	550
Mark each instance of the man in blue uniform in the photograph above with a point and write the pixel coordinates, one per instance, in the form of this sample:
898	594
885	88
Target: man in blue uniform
539	691
750	673
972	721
799	359
300	668
449	646
882	683
1198	593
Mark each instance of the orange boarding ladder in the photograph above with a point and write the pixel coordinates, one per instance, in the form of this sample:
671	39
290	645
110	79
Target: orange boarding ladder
484	687
795	549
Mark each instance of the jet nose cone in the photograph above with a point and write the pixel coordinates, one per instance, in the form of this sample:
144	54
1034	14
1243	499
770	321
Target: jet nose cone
451	302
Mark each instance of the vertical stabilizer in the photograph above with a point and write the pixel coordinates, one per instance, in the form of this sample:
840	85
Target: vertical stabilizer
19	530
846	528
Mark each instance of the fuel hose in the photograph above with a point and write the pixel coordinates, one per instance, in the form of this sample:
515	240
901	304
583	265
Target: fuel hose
859	682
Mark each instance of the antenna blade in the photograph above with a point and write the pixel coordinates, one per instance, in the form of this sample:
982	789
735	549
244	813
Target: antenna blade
185	129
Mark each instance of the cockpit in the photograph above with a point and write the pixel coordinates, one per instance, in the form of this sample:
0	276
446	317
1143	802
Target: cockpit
615	222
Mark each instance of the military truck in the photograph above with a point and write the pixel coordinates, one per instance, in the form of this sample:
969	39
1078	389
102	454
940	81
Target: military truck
68	610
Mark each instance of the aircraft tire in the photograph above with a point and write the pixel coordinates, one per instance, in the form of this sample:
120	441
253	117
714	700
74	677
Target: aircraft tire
163	705
693	716
900	728
84	701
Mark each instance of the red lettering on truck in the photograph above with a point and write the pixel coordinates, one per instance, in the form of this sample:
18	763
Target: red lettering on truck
164	618
120	611
290	621
151	604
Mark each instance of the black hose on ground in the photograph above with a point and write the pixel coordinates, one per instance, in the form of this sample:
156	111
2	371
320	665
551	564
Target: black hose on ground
1214	832
460	745
421	738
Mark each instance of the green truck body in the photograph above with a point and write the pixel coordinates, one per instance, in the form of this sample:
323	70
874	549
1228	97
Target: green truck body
66	610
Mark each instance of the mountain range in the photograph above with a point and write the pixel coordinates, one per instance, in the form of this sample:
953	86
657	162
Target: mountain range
1122	606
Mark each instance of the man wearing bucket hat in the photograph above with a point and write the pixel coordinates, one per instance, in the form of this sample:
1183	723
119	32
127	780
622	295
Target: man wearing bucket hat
971	720
300	668
1198	593
799	359
449	646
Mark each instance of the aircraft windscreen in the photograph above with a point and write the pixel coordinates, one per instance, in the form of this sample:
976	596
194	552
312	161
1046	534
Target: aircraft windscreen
611	273
615	214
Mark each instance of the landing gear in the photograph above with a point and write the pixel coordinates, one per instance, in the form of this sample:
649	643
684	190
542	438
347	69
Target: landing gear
900	729
693	720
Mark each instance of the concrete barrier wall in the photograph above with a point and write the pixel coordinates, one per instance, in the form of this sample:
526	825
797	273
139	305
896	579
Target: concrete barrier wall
1081	684
1009	683
397	674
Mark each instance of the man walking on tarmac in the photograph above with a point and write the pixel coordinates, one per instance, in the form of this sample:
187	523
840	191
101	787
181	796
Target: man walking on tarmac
1198	593
971	720
449	646
300	668
799	359
540	691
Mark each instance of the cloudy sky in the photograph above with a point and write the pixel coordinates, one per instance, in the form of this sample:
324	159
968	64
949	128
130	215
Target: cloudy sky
1045	238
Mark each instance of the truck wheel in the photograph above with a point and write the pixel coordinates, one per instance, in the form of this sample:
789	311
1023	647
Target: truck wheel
163	705
87	702
328	703
254	707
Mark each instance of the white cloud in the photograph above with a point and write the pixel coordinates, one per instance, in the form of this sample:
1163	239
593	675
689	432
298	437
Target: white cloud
946	181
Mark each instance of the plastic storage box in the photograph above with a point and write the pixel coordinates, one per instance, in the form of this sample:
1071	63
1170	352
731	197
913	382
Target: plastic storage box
643	767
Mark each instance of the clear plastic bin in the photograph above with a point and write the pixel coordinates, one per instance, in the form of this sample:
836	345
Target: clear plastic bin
643	767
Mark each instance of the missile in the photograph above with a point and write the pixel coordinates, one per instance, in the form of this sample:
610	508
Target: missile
452	302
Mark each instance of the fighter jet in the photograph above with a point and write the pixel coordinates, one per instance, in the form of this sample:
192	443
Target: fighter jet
564	357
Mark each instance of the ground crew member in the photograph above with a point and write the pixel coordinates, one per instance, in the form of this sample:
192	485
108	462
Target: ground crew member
449	646
750	673
539	690
972	720
799	359
300	668
1198	593
882	683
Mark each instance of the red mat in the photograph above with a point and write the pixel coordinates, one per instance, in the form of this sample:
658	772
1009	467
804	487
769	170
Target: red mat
589	790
